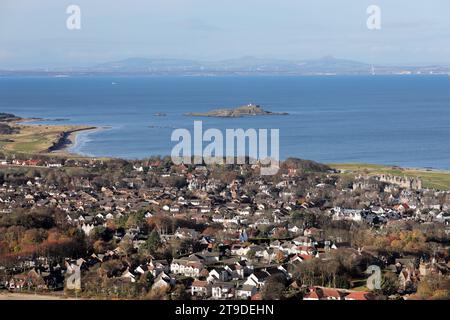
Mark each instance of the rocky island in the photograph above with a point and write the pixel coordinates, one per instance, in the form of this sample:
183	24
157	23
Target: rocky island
248	110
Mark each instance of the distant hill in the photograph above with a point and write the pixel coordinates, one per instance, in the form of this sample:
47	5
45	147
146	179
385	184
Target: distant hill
248	65
147	65
325	65
330	64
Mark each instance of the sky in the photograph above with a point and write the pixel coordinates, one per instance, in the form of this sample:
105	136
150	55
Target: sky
33	34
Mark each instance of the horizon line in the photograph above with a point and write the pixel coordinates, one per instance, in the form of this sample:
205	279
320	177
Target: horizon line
206	61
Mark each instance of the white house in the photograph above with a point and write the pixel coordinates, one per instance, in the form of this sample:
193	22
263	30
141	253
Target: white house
128	275
222	290
87	228
257	279
163	281
219	274
201	288
246	291
186	267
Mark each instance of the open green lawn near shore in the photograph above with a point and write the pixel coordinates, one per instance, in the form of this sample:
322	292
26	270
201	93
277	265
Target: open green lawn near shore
37	139
433	179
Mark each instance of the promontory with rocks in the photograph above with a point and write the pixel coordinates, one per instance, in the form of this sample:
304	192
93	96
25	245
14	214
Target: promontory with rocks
243	111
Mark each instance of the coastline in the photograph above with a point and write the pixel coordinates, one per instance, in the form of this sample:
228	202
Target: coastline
432	178
70	142
68	138
34	137
359	166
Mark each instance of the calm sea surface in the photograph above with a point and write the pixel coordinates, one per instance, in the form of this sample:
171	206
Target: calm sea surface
397	120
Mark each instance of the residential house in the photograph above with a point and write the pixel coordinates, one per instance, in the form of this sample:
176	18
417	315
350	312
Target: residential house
186	267
201	288
323	293
219	274
128	275
360	296
257	278
222	290
163	282
246	291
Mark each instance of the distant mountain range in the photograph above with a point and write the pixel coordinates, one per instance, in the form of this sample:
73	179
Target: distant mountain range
243	66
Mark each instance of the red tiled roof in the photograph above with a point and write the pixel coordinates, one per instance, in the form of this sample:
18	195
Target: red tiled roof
305	256
257	297
359	296
198	283
312	295
325	293
331	292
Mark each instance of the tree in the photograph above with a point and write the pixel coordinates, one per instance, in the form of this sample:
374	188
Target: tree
34	236
186	246
436	287
180	293
251	254
274	288
102	233
280	257
112	268
127	246
147	280
309	219
390	284
138	220
153	242
157	294
296	216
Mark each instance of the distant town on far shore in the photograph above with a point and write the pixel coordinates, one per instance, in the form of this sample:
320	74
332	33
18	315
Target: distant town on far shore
325	66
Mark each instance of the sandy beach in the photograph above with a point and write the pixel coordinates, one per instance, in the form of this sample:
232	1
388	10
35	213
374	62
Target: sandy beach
77	138
72	140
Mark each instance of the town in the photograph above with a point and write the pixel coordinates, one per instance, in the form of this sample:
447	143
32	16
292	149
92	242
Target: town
152	229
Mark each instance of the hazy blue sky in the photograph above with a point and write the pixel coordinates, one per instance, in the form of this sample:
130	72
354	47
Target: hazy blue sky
34	34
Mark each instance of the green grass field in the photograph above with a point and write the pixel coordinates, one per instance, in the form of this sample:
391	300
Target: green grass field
432	179
34	139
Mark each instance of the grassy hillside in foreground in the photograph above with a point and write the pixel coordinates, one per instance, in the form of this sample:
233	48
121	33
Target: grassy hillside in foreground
432	179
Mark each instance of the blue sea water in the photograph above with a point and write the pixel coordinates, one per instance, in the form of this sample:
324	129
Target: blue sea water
395	120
